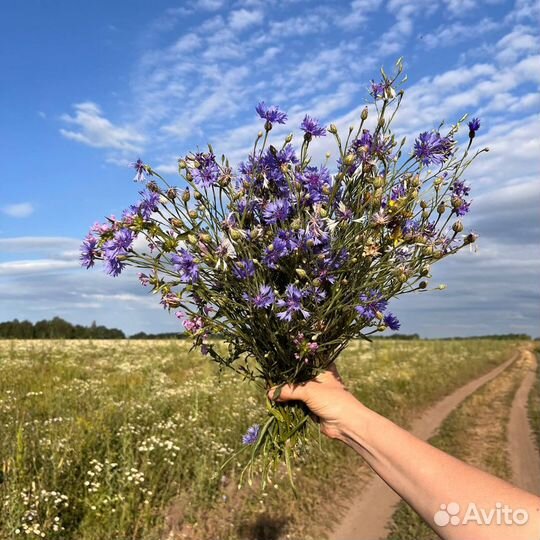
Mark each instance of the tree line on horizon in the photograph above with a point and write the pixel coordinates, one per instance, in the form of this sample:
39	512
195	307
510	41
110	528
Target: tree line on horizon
58	328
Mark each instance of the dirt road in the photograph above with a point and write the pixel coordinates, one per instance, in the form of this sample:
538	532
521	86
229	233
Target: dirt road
371	511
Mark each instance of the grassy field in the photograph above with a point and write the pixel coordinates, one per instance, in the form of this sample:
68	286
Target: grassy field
124	439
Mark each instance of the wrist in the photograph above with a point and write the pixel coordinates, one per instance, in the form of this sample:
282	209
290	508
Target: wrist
356	425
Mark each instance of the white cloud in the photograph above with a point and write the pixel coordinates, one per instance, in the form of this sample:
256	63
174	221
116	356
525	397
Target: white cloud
19	210
38	266
39	244
97	131
243	18
448	35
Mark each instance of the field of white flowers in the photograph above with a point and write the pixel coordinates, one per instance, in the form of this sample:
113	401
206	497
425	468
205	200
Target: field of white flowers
124	439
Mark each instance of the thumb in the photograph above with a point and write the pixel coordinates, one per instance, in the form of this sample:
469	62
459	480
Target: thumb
287	392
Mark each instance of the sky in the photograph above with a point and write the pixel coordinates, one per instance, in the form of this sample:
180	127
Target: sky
88	87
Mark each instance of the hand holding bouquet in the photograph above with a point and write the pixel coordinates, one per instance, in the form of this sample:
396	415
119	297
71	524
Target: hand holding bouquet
286	261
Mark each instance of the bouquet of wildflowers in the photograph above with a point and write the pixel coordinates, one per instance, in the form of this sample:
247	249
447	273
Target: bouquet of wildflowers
286	261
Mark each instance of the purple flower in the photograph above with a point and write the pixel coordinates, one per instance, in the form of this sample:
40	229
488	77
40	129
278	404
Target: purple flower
474	126
251	435
141	170
207	173
312	128
377	89
114	250
88	251
370	304
270	114
185	264
459	191
148	203
391	321
263	299
243	269
430	147
144	279
292	303
277	210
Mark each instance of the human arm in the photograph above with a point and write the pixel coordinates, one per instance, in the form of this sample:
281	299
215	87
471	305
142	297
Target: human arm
422	475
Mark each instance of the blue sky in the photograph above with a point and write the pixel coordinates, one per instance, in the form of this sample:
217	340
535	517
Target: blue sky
89	87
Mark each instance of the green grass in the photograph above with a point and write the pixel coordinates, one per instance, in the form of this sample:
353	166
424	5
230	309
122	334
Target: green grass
124	439
534	402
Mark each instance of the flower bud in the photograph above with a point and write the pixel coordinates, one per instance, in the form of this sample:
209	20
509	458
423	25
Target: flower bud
152	186
437	182
176	223
423	205
441	287
457	227
332	129
236	235
441	208
193	214
186	195
323	212
327	155
425	271
349	159
422	285
364	113
381	122
181	164
425	214
289	138
378	181
301	273
457	202
268	125
381	328
316	282
470	238
205	237
192	239
197	195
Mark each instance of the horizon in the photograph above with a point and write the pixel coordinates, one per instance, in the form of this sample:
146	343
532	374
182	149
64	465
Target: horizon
91	90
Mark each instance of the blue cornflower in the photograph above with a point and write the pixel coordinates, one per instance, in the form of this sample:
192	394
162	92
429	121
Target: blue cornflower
391	321
277	210
273	253
184	263
251	435
148	203
88	251
370	304
207	173
271	114
312	128
243	269
114	250
317	182
292	303
430	147
474	126
263	299
460	189
141	170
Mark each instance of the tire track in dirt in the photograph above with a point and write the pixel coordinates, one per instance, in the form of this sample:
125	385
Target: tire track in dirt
524	455
370	512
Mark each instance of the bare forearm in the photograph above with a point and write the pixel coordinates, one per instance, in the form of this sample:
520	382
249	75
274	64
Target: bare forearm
427	477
